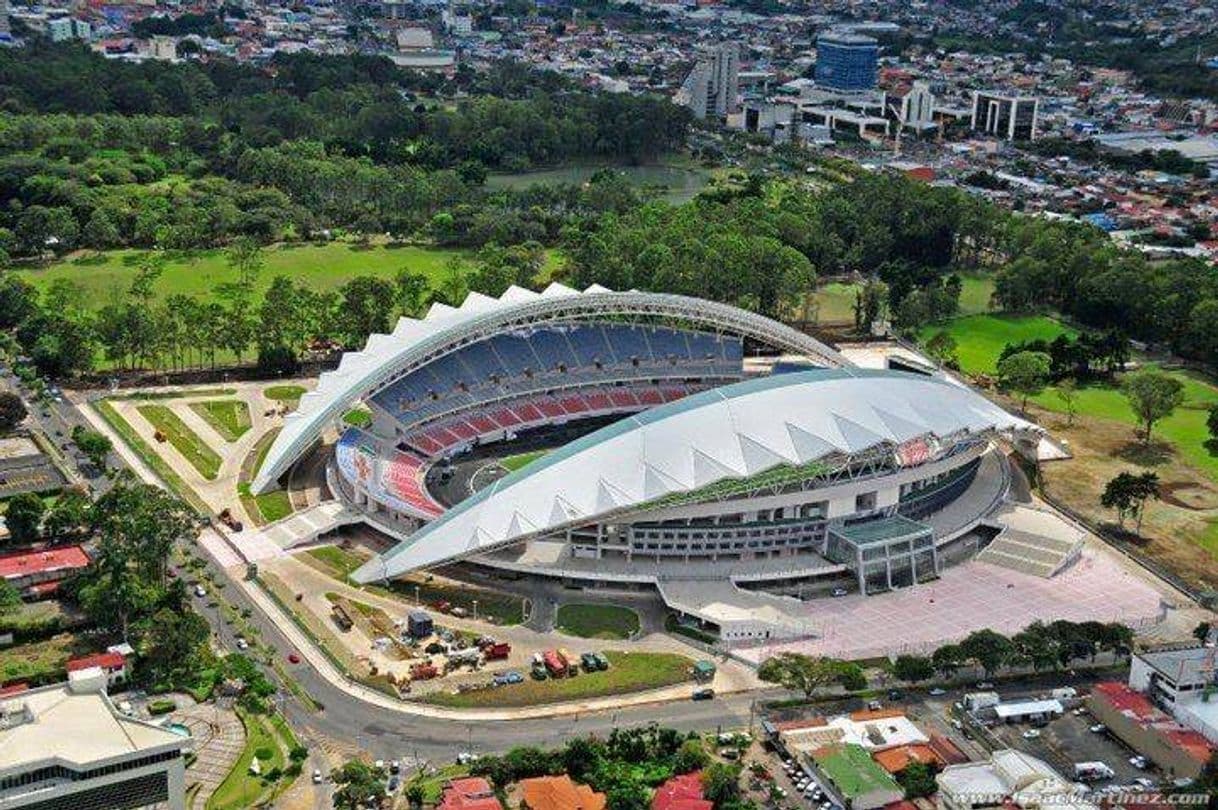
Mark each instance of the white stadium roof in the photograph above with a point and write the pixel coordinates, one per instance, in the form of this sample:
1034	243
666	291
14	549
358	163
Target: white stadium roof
415	342
730	432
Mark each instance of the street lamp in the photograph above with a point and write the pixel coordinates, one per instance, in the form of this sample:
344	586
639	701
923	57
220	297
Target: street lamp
475	610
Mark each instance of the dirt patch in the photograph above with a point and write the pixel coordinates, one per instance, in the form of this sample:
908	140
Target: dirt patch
1177	531
1189	495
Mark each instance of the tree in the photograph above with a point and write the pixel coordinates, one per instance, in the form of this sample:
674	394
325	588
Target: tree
174	647
1152	395
1202	632
412	289
721	783
918	779
10	598
1067	392
947	659
12	411
1024	373
1127	494
913	668
1211	422
367	306
942	349
93	444
691	756
24	517
69	515
806	673
989	649
359	785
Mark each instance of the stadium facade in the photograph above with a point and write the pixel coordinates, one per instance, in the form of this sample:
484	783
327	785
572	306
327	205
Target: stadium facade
667	464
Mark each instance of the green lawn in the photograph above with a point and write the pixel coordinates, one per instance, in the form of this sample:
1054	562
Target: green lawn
290	394
433	783
274	505
39	661
1185	428
184	440
339	561
513	463
597	621
980	339
320	267
230	417
628	672
358	417
149	456
836	299
241	789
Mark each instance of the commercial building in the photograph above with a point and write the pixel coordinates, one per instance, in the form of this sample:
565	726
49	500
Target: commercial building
1169	677
1012	118
911	107
1132	718
1009	779
66	747
846	61
112	663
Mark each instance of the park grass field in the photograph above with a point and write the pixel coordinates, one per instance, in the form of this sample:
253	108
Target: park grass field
358	417
597	621
1185	429
271	740
148	455
183	439
835	300
628	672
980	339
196	273
229	417
289	394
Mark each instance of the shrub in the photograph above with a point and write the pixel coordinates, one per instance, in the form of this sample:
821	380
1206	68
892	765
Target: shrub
159	707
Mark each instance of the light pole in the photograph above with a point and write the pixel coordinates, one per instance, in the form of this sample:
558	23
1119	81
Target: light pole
475	610
416	596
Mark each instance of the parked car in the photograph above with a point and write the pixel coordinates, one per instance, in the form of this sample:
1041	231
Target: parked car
703	694
937	691
1031	734
293	658
316	776
1140	762
839	592
200	591
1099	728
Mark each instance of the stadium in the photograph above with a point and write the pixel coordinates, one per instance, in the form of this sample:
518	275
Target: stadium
644	440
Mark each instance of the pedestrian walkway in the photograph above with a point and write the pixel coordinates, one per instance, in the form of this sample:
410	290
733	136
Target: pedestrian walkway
218	738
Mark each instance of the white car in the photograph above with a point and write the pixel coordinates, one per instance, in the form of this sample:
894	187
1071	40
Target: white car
200	591
242	644
1140	762
937	691
1099	728
316	776
1031	734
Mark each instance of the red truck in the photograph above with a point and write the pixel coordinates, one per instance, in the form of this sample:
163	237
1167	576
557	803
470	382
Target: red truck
554	663
424	671
497	651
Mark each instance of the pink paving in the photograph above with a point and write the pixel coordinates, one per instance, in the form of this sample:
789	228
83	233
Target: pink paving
969	597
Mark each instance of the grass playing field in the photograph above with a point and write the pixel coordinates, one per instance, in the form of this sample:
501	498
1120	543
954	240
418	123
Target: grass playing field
321	267
980	339
513	463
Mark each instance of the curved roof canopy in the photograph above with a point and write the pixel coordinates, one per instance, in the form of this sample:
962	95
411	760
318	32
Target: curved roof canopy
731	432
415	342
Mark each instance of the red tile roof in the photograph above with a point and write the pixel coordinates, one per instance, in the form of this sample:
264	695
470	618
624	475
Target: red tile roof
25	563
471	793
560	793
681	793
897	759
107	661
14	689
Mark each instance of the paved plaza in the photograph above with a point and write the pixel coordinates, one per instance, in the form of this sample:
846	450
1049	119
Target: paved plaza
969	597
218	740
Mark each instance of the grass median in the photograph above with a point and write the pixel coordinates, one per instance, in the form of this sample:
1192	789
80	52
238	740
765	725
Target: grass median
628	672
183	439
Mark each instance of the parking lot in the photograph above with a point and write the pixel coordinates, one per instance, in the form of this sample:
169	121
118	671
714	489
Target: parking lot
1068	740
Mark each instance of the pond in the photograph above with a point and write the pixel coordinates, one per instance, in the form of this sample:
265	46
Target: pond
677	184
